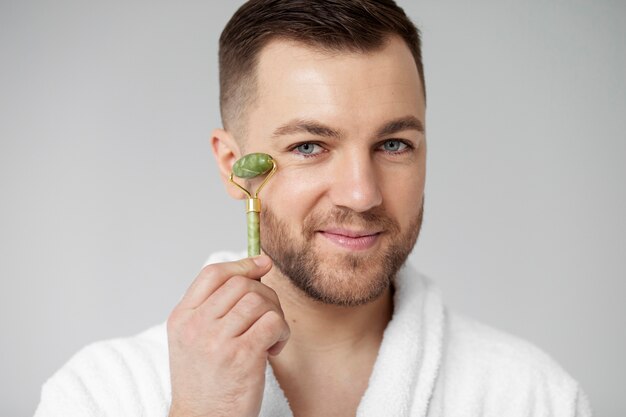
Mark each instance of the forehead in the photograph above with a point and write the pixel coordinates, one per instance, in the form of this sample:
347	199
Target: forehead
338	88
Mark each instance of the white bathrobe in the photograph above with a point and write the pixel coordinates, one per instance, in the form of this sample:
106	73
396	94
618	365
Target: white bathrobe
431	363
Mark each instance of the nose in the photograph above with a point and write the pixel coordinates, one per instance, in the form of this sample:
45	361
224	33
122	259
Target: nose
355	184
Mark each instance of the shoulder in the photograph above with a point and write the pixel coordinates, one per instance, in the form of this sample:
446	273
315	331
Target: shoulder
491	348
124	375
497	372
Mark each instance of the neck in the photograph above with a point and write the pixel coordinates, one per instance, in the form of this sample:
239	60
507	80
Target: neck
325	367
323	330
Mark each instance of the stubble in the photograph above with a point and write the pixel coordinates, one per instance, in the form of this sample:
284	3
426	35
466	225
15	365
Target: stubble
342	279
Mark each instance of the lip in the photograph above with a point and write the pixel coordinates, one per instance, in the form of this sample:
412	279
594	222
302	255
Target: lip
351	239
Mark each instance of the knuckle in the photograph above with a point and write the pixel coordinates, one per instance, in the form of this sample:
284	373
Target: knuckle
238	283
181	328
279	307
274	295
251	302
175	320
272	322
210	272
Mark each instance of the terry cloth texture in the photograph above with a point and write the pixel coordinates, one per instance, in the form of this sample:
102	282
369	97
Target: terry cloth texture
431	363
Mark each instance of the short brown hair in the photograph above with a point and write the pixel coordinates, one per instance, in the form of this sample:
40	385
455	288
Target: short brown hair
327	25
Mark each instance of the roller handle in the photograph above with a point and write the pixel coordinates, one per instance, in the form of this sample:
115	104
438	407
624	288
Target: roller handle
254	233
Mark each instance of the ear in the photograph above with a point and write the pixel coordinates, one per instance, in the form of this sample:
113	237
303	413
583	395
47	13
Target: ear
226	152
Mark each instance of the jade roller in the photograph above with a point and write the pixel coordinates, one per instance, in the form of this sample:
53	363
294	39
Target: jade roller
247	167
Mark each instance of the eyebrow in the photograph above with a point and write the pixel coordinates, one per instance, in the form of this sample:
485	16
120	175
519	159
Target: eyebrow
306	126
398	125
318	129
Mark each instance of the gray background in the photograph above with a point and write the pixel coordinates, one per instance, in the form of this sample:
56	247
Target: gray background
111	202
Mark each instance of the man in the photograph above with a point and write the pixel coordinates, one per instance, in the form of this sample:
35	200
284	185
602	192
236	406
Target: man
326	322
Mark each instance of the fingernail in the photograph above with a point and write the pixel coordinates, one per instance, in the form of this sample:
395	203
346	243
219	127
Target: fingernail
261	261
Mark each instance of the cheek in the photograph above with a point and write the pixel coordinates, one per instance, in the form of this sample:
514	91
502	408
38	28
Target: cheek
403	193
293	193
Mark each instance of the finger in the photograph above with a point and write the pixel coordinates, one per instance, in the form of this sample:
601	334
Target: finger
245	313
213	276
277	347
269	333
222	300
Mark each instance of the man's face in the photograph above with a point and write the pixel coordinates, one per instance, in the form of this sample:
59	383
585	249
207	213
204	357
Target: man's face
344	209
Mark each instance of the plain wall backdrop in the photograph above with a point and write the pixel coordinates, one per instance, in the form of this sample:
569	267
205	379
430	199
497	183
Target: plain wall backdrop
110	200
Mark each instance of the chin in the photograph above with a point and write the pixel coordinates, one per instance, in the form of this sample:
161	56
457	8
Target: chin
347	280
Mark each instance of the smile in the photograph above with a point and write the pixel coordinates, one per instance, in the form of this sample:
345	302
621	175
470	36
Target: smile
351	240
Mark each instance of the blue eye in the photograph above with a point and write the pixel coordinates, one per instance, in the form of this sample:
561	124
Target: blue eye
307	148
394	146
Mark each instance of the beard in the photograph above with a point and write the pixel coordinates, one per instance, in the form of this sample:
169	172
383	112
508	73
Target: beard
341	279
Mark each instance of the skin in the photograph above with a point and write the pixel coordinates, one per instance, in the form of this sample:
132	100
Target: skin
331	349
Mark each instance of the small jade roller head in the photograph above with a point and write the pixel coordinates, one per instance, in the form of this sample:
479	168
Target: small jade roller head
251	166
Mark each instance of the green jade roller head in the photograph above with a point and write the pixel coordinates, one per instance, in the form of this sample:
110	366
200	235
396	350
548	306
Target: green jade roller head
251	166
